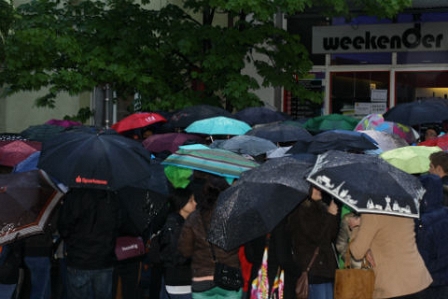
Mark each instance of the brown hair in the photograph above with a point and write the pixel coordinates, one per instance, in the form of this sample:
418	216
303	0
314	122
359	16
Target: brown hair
440	159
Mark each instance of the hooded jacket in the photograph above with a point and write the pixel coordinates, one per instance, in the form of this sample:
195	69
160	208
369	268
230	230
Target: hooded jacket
432	230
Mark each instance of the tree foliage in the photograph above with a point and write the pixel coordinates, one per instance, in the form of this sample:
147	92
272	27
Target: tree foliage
167	56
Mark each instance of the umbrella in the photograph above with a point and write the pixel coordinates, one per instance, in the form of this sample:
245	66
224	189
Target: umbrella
245	144
41	132
96	159
330	122
411	159
418	112
376	122
441	142
260	115
385	141
28	200
184	117
13	152
342	140
169	141
367	183
137	120
218	125
280	132
259	200
63	123
216	161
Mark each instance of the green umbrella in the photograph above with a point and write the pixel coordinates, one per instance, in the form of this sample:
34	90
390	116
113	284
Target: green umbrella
411	159
331	122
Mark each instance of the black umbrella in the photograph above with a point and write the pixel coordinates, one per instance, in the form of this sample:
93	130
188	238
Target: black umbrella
259	200
260	115
245	144
28	200
343	140
280	132
42	132
93	158
418	112
186	116
367	183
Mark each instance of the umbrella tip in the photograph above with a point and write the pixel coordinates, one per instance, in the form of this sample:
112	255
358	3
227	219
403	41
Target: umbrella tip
3	189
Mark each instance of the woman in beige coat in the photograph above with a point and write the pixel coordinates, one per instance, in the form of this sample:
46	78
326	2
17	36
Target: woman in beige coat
388	242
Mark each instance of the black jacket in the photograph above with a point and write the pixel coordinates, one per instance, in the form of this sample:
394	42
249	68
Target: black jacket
88	224
177	268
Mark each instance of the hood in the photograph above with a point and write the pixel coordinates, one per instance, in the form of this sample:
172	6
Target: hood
433	198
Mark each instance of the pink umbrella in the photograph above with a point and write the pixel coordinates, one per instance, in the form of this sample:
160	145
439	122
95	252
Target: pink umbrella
376	122
169	141
14	152
63	123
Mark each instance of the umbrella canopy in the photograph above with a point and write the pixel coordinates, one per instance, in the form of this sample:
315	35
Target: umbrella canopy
280	132
41	132
216	161
441	142
342	140
28	200
376	122
137	120
186	116
259	200
260	115
330	122
385	141
418	112
169	141
96	159
63	123
245	144
13	152
411	159
367	184
218	125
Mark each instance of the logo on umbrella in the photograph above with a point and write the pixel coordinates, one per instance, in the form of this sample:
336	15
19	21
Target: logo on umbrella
80	180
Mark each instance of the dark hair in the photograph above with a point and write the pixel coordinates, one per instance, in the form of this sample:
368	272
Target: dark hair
439	158
213	186
180	197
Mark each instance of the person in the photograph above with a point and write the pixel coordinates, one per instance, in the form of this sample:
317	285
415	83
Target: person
176	268
388	244
343	240
315	224
89	224
193	243
431	133
11	256
439	166
431	235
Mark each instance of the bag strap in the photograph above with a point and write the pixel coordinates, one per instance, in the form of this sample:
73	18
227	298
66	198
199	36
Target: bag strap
316	252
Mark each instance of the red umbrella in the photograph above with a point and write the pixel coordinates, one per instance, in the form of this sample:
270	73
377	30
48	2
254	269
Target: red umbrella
169	141
137	120
441	142
13	152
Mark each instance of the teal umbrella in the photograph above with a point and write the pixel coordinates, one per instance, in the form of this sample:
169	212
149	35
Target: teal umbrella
219	125
216	161
331	122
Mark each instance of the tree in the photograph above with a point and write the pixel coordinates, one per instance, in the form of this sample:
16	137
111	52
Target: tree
168	57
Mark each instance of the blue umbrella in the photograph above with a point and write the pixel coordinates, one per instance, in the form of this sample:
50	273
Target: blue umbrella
219	125
245	144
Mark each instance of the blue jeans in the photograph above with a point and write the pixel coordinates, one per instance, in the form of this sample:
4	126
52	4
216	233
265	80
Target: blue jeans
40	271
321	291
7	290
89	284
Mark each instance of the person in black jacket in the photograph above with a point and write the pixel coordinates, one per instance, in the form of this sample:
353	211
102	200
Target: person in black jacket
176	268
88	224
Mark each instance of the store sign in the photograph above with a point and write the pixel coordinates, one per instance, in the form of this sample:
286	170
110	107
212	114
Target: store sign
380	38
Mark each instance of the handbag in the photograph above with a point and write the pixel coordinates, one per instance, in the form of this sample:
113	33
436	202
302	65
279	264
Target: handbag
127	247
354	283
302	286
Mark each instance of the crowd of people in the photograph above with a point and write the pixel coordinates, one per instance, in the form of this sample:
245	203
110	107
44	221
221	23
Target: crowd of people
76	258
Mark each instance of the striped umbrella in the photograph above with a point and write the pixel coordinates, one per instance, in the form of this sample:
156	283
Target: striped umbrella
216	161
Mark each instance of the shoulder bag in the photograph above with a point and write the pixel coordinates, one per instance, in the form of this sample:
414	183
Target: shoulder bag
354	283
302	286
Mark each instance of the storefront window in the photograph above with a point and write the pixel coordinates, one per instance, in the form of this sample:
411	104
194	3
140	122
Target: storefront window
411	86
351	92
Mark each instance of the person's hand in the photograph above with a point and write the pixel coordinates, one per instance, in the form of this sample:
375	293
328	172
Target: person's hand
370	259
333	208
354	222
